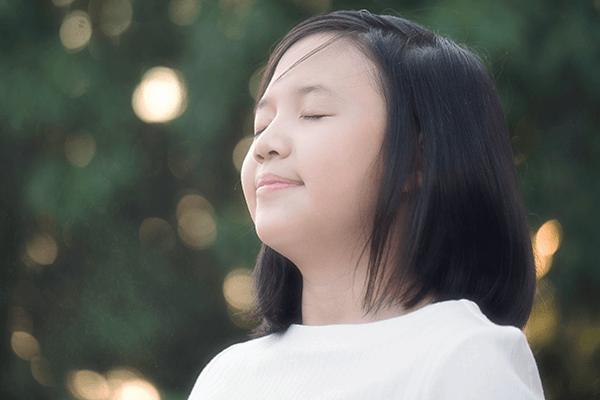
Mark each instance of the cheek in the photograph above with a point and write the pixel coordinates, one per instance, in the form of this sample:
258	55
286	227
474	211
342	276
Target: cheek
354	170
343	182
247	176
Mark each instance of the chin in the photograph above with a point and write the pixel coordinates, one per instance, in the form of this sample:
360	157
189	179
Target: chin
277	238
273	239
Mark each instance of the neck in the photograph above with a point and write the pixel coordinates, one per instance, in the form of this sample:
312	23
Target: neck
328	305
334	288
332	299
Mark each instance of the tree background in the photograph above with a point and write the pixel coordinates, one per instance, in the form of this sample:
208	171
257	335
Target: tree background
125	243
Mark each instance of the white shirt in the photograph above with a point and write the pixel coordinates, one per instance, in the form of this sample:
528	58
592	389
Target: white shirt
446	350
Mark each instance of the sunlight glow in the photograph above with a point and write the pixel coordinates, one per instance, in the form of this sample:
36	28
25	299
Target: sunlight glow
161	96
76	31
24	345
237	288
80	148
184	12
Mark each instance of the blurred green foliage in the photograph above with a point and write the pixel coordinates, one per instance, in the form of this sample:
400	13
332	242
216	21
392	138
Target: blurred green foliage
107	300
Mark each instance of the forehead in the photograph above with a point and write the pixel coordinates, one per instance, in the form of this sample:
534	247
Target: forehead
323	57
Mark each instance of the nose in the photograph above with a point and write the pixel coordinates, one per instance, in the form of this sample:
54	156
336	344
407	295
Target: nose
271	143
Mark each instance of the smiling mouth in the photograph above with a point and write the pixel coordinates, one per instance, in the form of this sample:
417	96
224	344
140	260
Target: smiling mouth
271	186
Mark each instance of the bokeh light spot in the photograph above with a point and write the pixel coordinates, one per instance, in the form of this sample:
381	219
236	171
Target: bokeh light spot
76	31
237	288
519	159
42	248
542	325
115	17
184	12
242	318
157	235
240	151
24	345
80	148
137	390
588	339
161	96
31	265
192	201
542	264
88	385
117	377
548	238
41	369
197	226
546	242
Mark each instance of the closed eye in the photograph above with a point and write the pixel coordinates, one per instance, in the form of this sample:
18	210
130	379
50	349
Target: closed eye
313	116
309	117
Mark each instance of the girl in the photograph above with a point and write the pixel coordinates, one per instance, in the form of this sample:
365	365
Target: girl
396	259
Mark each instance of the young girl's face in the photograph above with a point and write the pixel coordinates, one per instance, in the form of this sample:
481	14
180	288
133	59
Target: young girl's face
311	176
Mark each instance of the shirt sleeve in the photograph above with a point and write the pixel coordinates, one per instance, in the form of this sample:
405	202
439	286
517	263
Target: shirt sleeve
495	363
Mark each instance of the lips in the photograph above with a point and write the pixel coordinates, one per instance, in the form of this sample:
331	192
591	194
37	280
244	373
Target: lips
271	182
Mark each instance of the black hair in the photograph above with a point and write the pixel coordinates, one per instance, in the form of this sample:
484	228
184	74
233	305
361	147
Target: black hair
464	230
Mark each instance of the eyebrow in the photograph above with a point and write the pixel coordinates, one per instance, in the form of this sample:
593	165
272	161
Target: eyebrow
302	91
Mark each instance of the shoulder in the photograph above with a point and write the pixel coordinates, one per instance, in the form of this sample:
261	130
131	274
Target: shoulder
238	352
474	358
225	366
448	324
461	315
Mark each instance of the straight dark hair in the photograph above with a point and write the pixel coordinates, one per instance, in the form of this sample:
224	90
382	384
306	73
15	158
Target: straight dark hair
464	230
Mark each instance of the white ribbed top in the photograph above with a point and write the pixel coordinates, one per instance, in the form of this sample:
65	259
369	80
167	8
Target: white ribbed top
446	350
